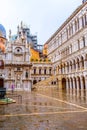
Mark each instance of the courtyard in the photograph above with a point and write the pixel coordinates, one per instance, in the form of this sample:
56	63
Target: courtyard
46	109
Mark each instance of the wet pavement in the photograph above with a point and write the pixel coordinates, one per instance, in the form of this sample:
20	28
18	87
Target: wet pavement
45	109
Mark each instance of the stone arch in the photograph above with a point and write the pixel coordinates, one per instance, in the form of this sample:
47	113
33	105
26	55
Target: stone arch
71	65
34	81
45	70
82	62
1	83
67	66
50	70
83	82
61	69
79	82
63	83
75	83
74	64
68	83
64	67
71	80
34	70
58	68
39	70
78	62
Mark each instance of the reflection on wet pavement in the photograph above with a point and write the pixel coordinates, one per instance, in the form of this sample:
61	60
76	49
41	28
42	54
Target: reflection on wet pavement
46	109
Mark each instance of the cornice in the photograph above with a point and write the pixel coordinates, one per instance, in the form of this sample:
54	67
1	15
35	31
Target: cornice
67	20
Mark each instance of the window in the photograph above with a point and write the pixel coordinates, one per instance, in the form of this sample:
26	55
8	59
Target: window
78	45
26	75
82	22
83	41
39	71
85	20
34	71
44	71
18	69
75	25
49	71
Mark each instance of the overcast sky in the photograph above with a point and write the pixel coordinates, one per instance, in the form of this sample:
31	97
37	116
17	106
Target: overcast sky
42	16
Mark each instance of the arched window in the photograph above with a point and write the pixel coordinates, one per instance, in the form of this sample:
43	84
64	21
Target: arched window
50	71
85	20
75	25
83	41
78	45
39	71
45	71
26	75
78	23
34	70
82	22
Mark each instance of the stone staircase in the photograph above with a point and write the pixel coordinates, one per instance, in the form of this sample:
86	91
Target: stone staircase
44	83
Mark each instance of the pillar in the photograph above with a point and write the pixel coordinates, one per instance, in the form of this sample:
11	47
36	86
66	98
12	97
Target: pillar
70	83
85	64
74	85
77	82
59	84
86	82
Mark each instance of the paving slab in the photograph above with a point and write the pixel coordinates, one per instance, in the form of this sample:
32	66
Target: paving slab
46	109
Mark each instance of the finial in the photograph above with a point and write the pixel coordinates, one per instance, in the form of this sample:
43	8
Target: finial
9	33
18	29
21	24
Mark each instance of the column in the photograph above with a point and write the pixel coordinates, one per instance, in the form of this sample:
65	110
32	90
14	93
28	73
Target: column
59	70
42	70
66	68
85	64
70	83
85	40
69	68
86	82
67	85
81	80
81	67
77	82
76	67
37	70
72	67
47	70
74	85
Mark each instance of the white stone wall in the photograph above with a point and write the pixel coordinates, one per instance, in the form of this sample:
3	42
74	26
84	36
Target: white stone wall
67	49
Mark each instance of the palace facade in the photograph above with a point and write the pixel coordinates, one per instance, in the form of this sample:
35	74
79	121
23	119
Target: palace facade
67	50
23	63
17	66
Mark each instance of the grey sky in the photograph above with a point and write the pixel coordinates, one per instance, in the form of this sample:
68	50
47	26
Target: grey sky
43	16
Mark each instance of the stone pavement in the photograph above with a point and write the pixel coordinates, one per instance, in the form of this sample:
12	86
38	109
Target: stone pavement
46	109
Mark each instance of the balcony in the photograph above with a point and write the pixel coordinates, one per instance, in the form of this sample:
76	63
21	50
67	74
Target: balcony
18	53
17	63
